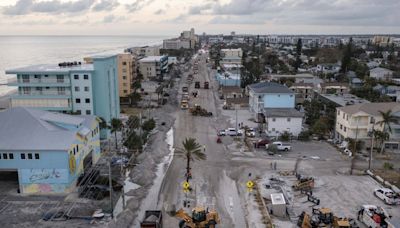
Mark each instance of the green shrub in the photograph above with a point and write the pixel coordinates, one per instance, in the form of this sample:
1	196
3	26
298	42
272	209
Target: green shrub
304	135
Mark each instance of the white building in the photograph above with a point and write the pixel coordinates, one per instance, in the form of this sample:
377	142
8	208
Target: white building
280	120
176	44
153	67
328	68
145	51
231	56
380	73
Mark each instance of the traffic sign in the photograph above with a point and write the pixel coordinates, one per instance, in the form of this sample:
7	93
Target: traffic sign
186	185
250	184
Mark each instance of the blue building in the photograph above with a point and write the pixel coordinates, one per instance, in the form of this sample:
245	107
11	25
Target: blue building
47	150
89	89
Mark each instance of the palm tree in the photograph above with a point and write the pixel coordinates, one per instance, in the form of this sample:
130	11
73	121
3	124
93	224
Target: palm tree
387	119
191	150
116	125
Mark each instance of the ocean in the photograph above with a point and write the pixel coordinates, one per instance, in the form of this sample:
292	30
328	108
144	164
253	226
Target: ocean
19	51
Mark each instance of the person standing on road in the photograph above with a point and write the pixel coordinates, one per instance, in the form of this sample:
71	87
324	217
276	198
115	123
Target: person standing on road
204	148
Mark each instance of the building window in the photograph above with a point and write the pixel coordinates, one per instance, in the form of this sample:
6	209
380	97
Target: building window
77	148
78	112
37	156
291	95
88	112
76	88
29	156
341	126
86	88
11	156
87	100
77	100
344	115
344	129
124	77
125	91
273	119
76	77
124	84
22	156
5	156
288	119
86	77
338	113
60	78
124	63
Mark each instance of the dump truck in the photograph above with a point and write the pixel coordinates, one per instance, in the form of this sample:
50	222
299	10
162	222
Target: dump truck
197	85
206	85
152	219
200	218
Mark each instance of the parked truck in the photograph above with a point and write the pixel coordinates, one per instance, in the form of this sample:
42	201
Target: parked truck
152	219
280	146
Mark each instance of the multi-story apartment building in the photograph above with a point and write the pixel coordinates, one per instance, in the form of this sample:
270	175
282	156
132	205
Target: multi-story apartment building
304	91
333	88
153	67
144	51
358	121
127	73
47	151
88	89
187	40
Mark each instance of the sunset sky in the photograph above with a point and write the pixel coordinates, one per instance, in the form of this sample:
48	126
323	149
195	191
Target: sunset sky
169	17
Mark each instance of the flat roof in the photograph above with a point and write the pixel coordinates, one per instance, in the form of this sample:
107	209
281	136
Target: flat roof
277	198
345	99
152	58
50	68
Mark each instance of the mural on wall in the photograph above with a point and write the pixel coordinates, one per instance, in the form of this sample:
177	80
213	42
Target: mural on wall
45	188
44	176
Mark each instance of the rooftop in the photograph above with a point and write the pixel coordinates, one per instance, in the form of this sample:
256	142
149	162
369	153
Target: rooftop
305	75
327	84
277	198
32	129
152	58
379	70
282	112
50	68
269	87
344	100
371	108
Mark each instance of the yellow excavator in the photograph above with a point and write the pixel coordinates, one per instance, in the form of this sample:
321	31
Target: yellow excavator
201	218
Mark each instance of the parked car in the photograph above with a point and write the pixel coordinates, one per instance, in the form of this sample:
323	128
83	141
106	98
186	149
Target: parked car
387	195
280	146
261	143
251	133
221	133
232	132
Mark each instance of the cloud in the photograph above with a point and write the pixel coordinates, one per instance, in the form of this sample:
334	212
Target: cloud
159	12
111	18
138	5
236	20
105	5
24	7
199	9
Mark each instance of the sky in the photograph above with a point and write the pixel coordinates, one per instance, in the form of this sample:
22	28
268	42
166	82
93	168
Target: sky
170	17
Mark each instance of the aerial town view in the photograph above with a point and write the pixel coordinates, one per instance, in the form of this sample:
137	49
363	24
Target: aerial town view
200	114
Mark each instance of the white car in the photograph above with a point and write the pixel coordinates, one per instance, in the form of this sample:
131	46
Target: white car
387	195
232	132
221	133
251	133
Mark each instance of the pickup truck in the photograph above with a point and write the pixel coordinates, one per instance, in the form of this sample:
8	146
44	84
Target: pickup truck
280	146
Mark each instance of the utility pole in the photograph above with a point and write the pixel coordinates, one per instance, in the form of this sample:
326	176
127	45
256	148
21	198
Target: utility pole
236	119
372	145
111	190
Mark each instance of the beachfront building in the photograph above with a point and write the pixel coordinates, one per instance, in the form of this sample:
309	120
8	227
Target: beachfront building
187	40
87	89
153	67
144	51
127	74
45	152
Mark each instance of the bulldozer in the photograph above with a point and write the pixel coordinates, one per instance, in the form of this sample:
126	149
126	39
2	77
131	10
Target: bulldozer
304	183
201	218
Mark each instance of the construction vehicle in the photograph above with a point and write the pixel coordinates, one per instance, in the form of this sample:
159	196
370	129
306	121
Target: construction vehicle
206	85
201	218
197	85
303	183
322	217
152	219
197	110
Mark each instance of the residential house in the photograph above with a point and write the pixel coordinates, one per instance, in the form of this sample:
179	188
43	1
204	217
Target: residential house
47	151
340	100
380	73
358	121
356	83
297	77
70	87
372	64
391	91
153	67
333	88
280	120
303	91
328	68
231	92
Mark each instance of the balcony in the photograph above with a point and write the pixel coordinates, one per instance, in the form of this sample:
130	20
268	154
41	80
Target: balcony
38	82
45	93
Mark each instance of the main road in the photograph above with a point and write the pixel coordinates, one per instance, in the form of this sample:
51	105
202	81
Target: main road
211	187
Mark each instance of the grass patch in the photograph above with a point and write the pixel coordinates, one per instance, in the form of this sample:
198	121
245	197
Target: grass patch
393	176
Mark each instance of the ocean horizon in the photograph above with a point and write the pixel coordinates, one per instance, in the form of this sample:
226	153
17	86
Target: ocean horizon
22	50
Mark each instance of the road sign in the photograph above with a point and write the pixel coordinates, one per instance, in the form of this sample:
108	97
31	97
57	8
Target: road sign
186	185
250	184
